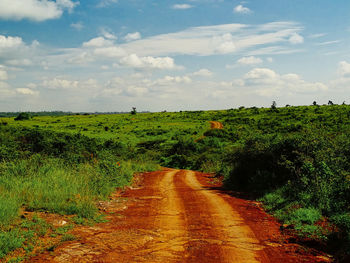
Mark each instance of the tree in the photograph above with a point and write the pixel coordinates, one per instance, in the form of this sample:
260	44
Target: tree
22	116
273	105
133	112
330	102
314	103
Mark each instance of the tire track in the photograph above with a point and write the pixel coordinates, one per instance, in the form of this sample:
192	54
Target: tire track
237	242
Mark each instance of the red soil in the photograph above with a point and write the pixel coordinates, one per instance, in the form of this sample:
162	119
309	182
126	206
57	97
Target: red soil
181	216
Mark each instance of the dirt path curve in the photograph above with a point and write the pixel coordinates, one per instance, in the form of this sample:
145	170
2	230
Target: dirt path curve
179	216
216	125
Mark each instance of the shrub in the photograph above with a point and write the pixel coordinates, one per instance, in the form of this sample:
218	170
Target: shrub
22	116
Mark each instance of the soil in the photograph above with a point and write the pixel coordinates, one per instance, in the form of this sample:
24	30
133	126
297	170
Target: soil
216	125
181	216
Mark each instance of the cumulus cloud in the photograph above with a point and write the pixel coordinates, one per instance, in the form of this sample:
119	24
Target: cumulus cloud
132	36
240	9
110	52
77	26
168	80
344	69
105	3
203	73
98	42
135	91
266	82
5	90
8	42
3	74
36	10
134	61
250	60
60	83
26	91
260	76
14	52
18	62
108	35
295	38
182	6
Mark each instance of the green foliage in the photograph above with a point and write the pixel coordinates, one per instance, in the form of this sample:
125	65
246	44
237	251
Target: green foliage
22	116
297	159
9	241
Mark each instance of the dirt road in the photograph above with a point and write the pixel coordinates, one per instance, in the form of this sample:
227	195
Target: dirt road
179	216
216	125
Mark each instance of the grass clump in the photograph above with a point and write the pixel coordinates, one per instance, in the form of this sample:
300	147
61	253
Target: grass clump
10	241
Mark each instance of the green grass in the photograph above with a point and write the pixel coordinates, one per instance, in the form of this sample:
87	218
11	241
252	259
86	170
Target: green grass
296	159
9	241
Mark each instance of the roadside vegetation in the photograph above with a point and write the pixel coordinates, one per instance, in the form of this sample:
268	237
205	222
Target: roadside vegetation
296	160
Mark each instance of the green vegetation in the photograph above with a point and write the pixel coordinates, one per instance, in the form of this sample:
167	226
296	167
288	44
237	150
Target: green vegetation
294	159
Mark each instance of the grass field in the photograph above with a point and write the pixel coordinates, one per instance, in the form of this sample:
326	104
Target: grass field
294	159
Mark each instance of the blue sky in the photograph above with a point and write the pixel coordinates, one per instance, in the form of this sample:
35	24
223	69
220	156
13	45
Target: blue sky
111	55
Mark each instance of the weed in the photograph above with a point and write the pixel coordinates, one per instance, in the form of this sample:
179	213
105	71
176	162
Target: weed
68	237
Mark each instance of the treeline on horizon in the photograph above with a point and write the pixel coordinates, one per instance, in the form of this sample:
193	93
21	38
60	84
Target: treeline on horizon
59	113
295	159
63	113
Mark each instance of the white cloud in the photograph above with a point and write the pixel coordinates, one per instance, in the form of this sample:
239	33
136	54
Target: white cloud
219	39
134	91
36	10
77	26
227	47
328	43
60	83
240	9
26	91
344	69
10	42
169	80
295	38
98	42
203	73
108	35
267	83
182	6
105	3
14	52
3	74
317	35
132	36
110	52
18	62
5	90
249	60
68	4
261	76
148	62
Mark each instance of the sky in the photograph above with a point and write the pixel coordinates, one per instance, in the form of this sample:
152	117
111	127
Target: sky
112	55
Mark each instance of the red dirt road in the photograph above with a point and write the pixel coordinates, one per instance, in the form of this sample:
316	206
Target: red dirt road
180	216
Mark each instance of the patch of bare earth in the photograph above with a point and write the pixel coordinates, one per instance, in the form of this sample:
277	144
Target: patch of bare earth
216	125
181	216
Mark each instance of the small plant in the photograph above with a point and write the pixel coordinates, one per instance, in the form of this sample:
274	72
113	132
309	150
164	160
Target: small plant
68	237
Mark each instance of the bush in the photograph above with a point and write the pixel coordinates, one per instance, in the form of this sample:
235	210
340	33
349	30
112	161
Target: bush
22	116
